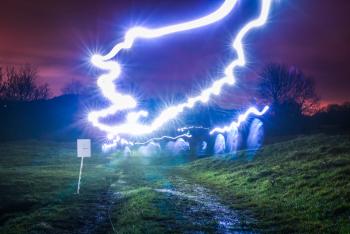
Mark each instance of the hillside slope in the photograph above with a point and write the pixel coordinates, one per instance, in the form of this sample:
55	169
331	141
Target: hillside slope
302	185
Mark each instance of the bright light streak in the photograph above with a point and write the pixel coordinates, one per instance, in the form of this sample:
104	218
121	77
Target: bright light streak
163	138
109	146
183	129
119	101
240	120
117	141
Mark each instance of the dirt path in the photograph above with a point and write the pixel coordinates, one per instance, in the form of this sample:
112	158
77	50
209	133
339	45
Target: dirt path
177	205
202	209
100	221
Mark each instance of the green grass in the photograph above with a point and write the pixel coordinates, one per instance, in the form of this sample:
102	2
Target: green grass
140	209
301	185
136	210
38	184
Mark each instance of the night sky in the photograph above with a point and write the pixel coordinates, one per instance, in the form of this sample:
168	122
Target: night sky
59	36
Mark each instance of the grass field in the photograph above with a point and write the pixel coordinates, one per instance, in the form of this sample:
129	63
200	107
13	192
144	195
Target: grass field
38	182
118	194
301	185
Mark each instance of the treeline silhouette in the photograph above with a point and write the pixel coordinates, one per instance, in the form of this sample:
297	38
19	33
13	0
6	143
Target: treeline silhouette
26	112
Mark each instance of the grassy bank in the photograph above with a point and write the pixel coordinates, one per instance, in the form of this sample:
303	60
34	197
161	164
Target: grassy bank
301	185
38	184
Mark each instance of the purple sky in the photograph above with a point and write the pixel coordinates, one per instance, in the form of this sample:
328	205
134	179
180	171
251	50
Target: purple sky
59	36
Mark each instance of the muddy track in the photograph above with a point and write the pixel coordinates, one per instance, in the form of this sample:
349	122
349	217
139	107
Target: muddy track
189	207
201	210
99	220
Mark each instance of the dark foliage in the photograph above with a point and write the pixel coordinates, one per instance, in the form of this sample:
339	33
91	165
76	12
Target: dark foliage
334	118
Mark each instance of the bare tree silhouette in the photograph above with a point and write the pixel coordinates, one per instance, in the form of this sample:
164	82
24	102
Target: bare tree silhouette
288	89
21	84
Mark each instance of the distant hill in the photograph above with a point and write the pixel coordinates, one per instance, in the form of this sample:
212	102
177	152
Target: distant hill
65	118
54	118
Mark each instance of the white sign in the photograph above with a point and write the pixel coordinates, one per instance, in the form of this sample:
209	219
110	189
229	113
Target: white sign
84	148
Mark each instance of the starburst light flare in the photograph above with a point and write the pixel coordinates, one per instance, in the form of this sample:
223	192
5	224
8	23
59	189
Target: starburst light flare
122	102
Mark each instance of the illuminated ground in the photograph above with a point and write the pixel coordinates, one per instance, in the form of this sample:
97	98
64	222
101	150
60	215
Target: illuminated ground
121	194
155	197
301	185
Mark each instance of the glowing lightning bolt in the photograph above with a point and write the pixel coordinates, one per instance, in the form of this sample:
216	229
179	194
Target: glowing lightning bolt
163	138
117	141
190	128
241	119
132	126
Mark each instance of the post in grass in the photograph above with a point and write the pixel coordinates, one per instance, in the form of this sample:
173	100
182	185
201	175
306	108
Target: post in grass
83	150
